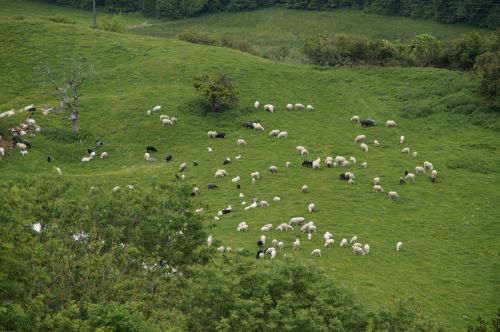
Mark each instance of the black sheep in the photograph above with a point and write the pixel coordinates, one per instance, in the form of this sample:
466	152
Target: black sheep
367	123
49	159
238	186
212	186
220	134
168	158
401	181
90	150
406	173
307	163
260	243
226	161
177	177
226	211
343	176
258	253
195	163
150	149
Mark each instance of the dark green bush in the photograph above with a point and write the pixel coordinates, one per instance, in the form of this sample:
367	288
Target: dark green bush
113	23
217	91
196	36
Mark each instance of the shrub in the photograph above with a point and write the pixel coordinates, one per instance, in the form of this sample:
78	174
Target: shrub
280	53
196	36
113	23
240	45
487	72
217	91
61	19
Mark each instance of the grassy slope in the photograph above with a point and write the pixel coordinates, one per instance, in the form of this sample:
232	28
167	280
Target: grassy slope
272	27
449	230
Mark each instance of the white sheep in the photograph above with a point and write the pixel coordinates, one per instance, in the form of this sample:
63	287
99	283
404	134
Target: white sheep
376	180
269	108
267	227
157	108
211	134
393	195
428	165
410	176
256	105
257	126
274	132
241	141
209	240
2	152
146	156
209	149
220	249
364	164
296	244
254	181
24	152
255	176
166	122
419	170
164	116
274	242
378	188
299	149
357	244
242	228
359	138
21	146
399	246
352	160
289	107
364	147
296	221
264	204
405	150
281	245
343	243
327	236
182	167
316	164
263	239
353	239
350	181
401	140
87	159
304	153
339	160
366	248
329	243
148	112
273	254
358	251
299	106
104	155
116	189
283	134
287	164
220	173
305	189
273	169
311	207
355	118
235	179
276	199
316	252
309	108
390	123
415	154
434	173
376	142
58	170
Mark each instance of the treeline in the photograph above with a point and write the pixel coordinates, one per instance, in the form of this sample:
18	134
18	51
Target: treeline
481	54
483	13
137	260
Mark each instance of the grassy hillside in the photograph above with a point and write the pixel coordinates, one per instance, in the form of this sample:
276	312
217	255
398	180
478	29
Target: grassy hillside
268	29
449	229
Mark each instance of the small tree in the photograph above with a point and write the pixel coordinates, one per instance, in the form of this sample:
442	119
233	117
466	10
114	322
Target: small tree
217	91
68	92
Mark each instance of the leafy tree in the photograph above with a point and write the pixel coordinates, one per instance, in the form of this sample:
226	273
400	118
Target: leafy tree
217	91
487	71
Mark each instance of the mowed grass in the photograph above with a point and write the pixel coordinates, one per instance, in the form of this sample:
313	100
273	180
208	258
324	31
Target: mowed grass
449	261
270	28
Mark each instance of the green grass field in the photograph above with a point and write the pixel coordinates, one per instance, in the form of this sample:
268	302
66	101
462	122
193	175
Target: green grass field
450	231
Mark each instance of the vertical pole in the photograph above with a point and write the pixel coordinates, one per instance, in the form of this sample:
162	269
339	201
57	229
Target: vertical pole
94	23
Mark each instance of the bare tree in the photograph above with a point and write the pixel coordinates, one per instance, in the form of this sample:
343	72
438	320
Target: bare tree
68	92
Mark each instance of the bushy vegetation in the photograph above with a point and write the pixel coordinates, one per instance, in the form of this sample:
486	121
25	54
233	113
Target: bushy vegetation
112	23
217	91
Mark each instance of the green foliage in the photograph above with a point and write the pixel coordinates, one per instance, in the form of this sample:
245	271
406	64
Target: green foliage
113	23
176	9
464	51
482	326
415	110
197	36
217	91
487	72
61	19
426	50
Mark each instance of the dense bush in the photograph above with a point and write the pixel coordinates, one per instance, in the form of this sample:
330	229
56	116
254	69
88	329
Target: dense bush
217	91
197	36
487	71
113	23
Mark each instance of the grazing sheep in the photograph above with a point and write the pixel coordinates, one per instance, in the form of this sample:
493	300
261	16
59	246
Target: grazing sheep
353	239
401	140
309	108
257	126
256	105
311	207
316	252
399	246
287	164
299	149
284	227
182	167
355	118
226	161
364	147
281	245
235	179
104	155
195	191
21	146
241	141
296	221
305	188
352	160
343	243
166	122
269	108
209	149
357	244
366	248
242	195
378	188
168	157
350	181
220	249
428	165
304	153
274	132
364	164
368	123
359	138
393	195
267	227
254	181
242	228
273	254
327	236
415	154
410	176
296	244
116	189
339	159
157	108
264	204
87	159
273	169
209	240
220	173
419	170
163	116
376	142
329	243
276	199
299	106
2	152
148	112
211	134
263	239
316	164
358	251
283	134
390	123
405	150
24	152
376	180
255	176
289	107
434	173
58	170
